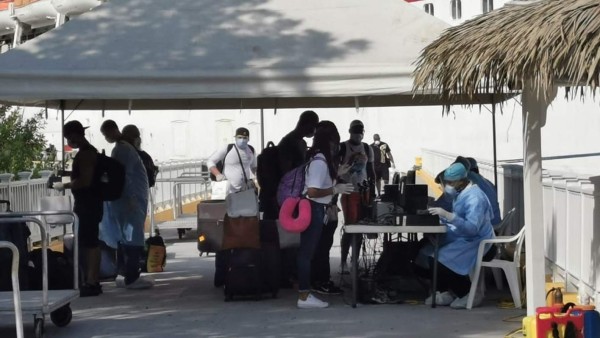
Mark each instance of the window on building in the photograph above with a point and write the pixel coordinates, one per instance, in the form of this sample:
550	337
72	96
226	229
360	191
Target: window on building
487	5
429	9
456	6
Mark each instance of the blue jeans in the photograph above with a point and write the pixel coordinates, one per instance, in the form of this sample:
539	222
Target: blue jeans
308	245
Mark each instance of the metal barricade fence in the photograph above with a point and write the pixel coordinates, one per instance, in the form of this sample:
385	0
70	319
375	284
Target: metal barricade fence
25	195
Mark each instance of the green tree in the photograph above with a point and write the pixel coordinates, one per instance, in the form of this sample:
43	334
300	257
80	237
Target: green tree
21	140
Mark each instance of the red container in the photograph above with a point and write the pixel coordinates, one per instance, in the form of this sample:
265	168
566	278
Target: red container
545	316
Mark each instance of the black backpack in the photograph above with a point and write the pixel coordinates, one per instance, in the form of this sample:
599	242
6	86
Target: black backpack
221	164
268	174
111	177
151	168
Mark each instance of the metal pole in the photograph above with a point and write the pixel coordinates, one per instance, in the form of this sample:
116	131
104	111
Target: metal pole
495	151
62	134
262	129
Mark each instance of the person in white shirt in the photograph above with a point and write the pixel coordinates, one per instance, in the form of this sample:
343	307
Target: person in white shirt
238	162
320	187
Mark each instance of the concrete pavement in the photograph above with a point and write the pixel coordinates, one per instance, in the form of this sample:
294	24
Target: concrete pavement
184	303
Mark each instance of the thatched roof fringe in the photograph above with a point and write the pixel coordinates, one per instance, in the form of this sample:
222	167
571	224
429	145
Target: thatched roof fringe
541	42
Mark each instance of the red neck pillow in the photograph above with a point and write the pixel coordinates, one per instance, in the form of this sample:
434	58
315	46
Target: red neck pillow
295	214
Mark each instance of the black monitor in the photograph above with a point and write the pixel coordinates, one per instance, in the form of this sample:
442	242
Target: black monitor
413	197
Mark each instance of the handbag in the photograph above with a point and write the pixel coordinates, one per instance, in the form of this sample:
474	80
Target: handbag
241	232
242	203
287	240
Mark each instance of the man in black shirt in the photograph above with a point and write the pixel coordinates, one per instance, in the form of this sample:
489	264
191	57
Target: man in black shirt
292	147
292	153
383	161
87	205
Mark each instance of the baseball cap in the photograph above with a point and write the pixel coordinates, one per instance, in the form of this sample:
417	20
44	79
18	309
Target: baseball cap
357	127
242	132
74	128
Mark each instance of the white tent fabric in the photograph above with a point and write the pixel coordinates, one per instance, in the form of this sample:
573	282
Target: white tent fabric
156	54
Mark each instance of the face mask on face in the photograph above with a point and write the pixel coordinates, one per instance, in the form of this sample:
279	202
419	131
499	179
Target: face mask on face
241	143
377	143
450	190
356	138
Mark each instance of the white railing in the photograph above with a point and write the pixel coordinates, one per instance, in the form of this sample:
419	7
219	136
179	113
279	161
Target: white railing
25	195
571	217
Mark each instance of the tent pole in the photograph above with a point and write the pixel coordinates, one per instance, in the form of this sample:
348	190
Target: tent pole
262	128
494	141
62	135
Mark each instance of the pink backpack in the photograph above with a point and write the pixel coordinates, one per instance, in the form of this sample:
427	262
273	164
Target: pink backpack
292	183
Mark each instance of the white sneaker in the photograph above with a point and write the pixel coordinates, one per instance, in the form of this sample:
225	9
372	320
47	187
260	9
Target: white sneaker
441	298
461	303
311	302
141	283
120	281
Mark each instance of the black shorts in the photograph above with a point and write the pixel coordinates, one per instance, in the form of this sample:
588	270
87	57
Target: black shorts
382	172
88	231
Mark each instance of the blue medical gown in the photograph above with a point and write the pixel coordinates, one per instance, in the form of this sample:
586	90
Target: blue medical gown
124	218
489	190
471	225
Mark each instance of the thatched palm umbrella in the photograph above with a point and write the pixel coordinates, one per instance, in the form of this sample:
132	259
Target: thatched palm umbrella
551	42
531	46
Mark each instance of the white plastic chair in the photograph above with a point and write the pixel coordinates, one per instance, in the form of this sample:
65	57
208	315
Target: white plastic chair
501	227
511	268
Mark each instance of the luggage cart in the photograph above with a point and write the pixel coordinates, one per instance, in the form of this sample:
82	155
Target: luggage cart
55	303
181	221
16	293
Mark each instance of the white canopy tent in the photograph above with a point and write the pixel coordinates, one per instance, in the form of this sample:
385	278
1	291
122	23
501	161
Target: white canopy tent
200	54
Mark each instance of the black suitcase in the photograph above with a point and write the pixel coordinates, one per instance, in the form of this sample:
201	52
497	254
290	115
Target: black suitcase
243	274
18	234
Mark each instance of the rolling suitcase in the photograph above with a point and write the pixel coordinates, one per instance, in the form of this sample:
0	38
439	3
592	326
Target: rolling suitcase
251	272
210	225
243	274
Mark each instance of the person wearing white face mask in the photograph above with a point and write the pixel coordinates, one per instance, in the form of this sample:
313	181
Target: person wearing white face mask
468	224
238	162
359	157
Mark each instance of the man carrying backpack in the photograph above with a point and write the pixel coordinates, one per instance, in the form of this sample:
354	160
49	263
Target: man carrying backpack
129	211
87	204
238	162
131	134
292	153
359	157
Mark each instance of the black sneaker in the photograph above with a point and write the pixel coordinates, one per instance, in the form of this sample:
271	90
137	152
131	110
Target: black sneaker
327	289
86	290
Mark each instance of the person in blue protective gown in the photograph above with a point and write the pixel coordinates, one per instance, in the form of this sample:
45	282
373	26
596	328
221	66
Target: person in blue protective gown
488	188
128	212
467	225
